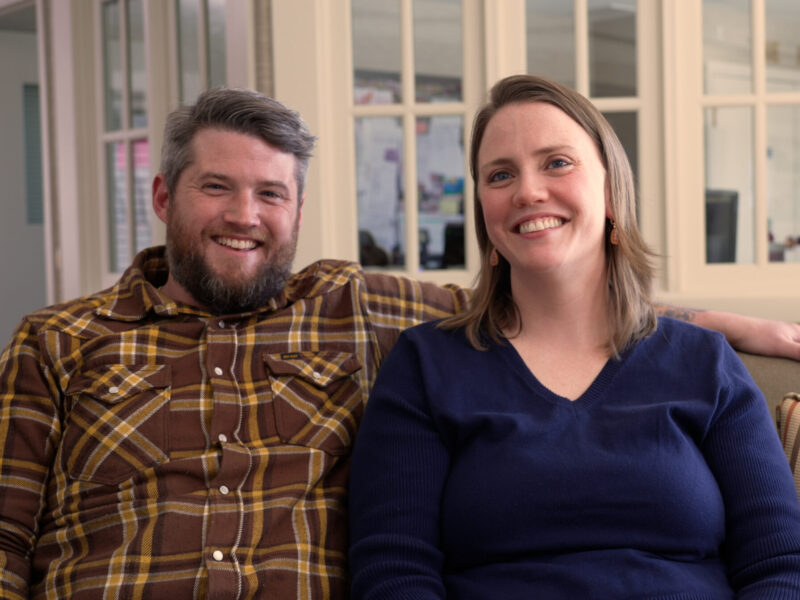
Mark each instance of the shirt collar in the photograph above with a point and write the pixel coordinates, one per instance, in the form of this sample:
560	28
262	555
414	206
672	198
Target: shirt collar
137	293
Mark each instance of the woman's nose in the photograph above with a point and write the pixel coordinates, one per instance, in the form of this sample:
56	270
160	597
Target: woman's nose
531	188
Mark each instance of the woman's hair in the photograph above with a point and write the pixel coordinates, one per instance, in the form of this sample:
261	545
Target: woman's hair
630	311
241	111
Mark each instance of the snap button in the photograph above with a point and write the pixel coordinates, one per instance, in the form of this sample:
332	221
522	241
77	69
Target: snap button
113	389
218	556
316	375
222	324
223	489
217	371
222	438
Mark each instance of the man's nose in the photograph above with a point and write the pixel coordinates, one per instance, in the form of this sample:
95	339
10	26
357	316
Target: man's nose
243	209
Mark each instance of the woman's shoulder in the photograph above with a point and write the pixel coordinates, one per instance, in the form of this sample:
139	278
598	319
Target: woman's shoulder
687	332
689	347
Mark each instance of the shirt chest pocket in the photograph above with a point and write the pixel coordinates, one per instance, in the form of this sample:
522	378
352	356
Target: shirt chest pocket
118	422
317	398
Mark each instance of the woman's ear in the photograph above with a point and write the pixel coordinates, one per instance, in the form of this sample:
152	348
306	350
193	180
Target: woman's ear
609	210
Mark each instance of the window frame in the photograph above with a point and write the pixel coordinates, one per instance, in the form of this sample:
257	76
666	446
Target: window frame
758	288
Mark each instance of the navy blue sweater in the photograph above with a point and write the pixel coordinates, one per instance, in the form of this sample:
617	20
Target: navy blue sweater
665	479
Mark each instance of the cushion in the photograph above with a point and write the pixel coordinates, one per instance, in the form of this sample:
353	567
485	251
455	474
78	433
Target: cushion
789	429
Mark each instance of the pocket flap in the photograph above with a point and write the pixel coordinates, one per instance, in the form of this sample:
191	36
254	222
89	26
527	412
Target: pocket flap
115	382
318	368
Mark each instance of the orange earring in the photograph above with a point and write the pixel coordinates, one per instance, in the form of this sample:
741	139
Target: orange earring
493	258
614	236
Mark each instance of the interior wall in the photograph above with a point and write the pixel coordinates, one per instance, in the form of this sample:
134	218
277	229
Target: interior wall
22	265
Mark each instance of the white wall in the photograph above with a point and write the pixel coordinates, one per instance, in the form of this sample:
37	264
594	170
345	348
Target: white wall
22	268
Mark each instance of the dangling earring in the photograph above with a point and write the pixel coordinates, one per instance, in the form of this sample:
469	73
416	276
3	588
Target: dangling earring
493	258
614	237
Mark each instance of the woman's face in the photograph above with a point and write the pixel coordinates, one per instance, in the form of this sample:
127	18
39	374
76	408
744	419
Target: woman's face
542	187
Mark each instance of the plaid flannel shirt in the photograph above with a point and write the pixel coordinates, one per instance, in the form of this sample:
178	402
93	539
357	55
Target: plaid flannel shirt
149	449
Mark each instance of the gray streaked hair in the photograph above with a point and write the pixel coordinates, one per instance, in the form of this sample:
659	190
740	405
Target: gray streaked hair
241	111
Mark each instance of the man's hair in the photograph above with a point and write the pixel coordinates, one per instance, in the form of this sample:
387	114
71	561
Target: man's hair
240	111
630	311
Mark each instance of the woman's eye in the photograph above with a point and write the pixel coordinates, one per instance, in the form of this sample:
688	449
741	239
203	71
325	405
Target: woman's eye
499	176
557	163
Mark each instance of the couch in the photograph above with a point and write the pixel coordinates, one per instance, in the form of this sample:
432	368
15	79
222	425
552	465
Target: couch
779	380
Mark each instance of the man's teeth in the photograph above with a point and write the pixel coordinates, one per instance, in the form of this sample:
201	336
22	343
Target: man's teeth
236	244
540	224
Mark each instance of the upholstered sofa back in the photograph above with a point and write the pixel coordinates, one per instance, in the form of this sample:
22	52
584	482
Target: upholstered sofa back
779	379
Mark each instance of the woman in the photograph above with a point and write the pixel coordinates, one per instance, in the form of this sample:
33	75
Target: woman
558	440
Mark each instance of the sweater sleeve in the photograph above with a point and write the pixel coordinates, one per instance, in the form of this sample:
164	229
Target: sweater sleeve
28	434
398	471
761	504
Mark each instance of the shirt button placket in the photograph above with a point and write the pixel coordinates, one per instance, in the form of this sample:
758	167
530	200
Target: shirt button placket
224	525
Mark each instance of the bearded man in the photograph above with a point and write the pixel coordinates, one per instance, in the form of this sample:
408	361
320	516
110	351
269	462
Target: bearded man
186	433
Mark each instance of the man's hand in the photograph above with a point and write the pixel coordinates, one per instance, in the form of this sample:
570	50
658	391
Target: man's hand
747	334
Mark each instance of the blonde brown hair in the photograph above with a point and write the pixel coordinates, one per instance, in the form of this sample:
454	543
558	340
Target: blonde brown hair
630	311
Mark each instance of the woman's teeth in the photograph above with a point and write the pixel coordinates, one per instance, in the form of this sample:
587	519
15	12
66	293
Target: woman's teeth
540	224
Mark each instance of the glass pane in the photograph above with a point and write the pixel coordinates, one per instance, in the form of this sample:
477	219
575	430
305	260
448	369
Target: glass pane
118	236
138	69
783	48
141	195
437	50
440	181
727	49
216	43
783	182
626	127
612	47
188	54
379	176
550	39
377	55
729	215
112	66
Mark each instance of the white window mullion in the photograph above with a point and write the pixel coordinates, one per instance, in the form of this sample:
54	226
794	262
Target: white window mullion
582	47
411	197
758	19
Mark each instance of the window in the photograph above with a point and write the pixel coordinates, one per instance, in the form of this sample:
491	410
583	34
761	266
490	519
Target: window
125	149
411	106
200	26
739	143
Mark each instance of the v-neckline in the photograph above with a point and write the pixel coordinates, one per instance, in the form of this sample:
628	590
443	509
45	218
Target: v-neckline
594	393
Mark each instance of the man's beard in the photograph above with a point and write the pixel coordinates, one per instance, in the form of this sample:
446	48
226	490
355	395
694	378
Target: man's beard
212	291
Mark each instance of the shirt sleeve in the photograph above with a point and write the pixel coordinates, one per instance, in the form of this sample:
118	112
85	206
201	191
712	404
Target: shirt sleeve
29	427
394	304
398	472
761	504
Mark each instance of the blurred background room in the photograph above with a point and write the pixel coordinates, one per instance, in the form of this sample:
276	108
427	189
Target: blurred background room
704	94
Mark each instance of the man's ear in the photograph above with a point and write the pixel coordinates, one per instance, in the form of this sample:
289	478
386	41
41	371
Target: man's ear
160	197
300	211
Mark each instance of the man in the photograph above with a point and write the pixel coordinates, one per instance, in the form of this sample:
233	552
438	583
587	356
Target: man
186	433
